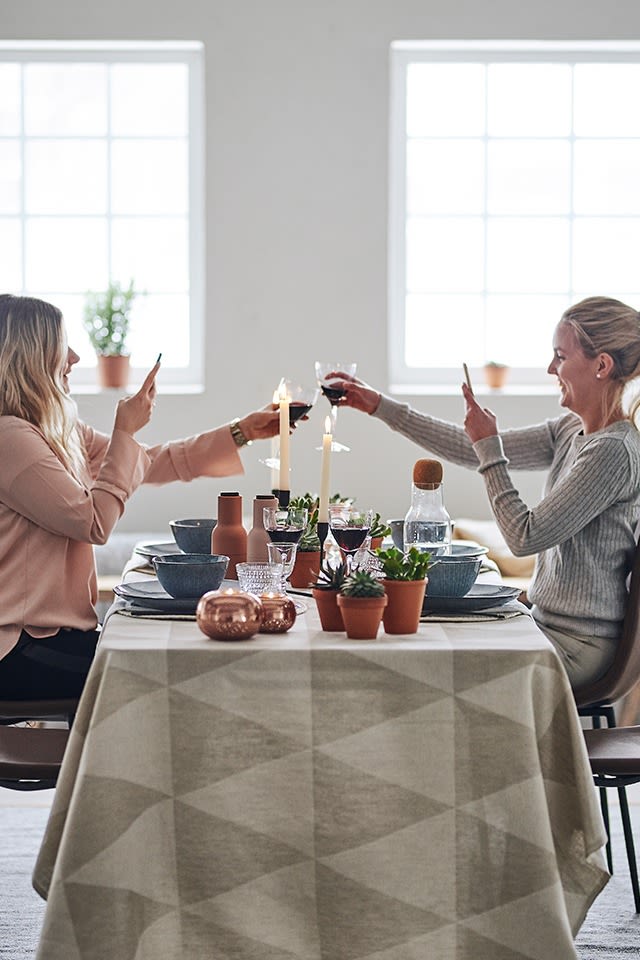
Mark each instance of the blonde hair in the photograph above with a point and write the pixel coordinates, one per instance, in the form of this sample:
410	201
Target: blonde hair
33	357
605	325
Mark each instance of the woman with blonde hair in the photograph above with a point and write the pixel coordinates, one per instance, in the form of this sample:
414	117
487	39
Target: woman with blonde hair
583	528
63	486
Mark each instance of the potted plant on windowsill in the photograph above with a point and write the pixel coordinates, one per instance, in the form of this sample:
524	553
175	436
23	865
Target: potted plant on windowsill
405	583
362	600
325	593
106	320
495	374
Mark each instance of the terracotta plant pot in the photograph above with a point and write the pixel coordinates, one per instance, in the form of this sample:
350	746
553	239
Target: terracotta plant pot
495	377
328	610
362	615
305	569
113	372
402	613
376	543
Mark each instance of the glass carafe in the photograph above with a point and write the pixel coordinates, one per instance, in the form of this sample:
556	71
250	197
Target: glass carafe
427	525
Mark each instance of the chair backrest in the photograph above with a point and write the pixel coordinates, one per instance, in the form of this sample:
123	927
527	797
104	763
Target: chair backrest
15	711
30	758
624	672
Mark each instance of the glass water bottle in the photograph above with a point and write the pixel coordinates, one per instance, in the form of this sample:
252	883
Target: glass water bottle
427	525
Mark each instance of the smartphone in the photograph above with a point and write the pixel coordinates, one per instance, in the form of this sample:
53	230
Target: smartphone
159	358
467	377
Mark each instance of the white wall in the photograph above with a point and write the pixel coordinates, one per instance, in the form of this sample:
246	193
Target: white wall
296	215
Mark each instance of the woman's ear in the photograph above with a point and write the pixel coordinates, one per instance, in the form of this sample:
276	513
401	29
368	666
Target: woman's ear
605	366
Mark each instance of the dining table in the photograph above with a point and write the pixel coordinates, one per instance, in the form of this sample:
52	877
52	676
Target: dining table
303	796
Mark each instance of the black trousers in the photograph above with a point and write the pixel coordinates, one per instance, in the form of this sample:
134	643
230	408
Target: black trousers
49	667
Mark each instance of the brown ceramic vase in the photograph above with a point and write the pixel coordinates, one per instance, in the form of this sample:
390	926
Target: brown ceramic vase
113	372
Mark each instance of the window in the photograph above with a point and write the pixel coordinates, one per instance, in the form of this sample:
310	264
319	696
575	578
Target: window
101	176
514	193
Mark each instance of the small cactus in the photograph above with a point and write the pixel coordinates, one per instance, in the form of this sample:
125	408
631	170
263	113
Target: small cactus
331	578
362	584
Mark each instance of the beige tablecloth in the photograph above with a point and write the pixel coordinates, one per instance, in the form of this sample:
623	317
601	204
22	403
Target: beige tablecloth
306	797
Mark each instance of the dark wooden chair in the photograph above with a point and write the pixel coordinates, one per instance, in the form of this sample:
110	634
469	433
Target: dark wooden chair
597	700
614	755
30	757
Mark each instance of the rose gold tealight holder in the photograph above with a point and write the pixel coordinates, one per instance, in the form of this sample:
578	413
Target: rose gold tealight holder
278	613
229	615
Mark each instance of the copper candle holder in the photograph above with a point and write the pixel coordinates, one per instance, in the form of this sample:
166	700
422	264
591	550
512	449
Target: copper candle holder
278	613
229	615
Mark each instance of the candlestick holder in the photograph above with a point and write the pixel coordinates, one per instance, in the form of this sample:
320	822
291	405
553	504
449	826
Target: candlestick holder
322	528
283	497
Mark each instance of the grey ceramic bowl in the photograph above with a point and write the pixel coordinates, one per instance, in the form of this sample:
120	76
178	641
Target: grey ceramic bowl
194	535
452	576
190	574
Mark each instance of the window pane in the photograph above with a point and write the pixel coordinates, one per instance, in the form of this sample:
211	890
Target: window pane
529	99
445	176
606	100
529	176
606	178
66	254
160	324
152	251
605	254
445	255
520	329
445	99
11	255
438	327
149	176
66	176
65	99
529	255
10	176
149	99
10	99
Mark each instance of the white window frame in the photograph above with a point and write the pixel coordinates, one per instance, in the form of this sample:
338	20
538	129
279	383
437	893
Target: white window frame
404	379
191	54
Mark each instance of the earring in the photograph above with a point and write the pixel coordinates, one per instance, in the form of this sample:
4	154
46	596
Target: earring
597	376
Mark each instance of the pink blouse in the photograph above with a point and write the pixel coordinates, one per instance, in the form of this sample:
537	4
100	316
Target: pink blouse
49	520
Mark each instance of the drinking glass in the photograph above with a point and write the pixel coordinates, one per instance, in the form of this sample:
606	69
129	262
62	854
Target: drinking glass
285	527
350	528
260	576
326	382
282	556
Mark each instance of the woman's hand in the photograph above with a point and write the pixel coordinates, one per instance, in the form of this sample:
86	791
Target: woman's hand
479	422
357	393
133	413
261	424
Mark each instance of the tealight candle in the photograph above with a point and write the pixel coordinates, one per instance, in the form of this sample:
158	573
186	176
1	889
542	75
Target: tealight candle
284	437
325	472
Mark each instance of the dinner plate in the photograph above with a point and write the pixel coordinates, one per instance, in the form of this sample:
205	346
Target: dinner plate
151	550
482	596
149	594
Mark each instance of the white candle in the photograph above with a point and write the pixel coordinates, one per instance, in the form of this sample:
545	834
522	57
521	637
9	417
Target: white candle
325	472
284	437
275	453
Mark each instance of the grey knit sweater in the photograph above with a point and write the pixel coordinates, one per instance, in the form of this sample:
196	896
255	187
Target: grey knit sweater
583	528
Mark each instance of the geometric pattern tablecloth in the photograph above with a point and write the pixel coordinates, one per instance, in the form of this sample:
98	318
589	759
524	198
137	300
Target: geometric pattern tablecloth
303	797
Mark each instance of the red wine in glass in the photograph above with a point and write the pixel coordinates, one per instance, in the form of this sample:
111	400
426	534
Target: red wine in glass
284	536
333	394
298	410
349	539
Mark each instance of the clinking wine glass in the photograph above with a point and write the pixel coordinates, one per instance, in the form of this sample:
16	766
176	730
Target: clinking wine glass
349	528
285	527
333	393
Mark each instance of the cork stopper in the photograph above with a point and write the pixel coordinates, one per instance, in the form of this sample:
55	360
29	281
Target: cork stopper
427	474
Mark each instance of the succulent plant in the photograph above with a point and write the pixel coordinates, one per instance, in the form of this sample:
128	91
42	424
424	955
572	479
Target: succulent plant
378	527
331	577
362	584
397	565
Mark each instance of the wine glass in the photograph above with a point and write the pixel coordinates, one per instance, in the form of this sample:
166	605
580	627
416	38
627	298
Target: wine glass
285	527
350	528
332	392
301	400
282	557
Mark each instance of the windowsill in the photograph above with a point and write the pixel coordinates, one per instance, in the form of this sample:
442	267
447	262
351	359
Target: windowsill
454	390
171	389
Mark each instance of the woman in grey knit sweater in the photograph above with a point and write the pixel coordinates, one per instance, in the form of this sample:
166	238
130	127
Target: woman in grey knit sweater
583	528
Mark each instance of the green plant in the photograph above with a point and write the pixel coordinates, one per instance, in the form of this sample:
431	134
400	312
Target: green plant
362	584
397	565
331	577
496	365
378	527
106	318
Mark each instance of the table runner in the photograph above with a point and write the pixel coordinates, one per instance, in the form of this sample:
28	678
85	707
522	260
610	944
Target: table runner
305	796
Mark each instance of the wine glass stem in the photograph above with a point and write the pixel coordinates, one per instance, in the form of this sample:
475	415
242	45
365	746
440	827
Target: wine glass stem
334	415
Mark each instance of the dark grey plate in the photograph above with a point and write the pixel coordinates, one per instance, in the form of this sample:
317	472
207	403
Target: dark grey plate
150	595
151	550
482	596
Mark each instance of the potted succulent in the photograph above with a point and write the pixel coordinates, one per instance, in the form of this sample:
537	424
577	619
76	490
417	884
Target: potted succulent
405	583
495	374
362	600
325	593
106	320
378	531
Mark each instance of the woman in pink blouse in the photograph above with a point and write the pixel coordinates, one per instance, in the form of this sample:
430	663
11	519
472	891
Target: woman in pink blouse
63	486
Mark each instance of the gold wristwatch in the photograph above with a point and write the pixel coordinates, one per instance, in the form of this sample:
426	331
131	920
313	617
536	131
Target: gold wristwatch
237	434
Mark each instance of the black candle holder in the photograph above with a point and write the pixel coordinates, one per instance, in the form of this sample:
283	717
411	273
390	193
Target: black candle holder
323	530
283	497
